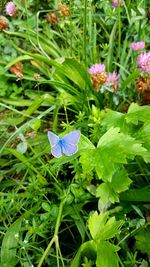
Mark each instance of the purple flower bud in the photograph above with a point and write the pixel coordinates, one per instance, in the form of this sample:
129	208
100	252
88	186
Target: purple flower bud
97	69
143	61
113	80
137	45
115	3
10	9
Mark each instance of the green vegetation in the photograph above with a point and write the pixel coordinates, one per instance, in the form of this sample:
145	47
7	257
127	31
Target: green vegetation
66	66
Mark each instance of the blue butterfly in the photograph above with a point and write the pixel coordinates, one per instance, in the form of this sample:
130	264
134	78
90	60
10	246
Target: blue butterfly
66	145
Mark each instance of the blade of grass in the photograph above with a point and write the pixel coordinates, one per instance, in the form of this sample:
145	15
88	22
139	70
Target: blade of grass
111	47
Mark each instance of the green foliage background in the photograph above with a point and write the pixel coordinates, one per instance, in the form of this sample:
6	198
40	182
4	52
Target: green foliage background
91	208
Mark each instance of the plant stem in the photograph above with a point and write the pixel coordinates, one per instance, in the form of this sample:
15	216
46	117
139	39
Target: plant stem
84	32
119	30
55	236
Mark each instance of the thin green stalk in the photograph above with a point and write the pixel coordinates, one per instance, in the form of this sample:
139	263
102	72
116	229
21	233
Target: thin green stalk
90	30
71	29
139	31
66	114
84	32
55	236
94	51
132	233
128	17
119	30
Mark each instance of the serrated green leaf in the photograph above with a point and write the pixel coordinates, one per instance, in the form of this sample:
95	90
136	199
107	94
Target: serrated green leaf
106	255
96	222
110	229
101	228
115	119
106	193
85	143
108	159
142	241
113	149
144	136
120	181
138	113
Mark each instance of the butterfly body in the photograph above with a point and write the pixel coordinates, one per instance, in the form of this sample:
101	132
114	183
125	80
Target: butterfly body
66	145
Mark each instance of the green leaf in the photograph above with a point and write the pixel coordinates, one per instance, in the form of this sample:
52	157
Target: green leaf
85	143
101	228
113	149
106	255
138	113
117	142
106	193
115	119
36	125
87	249
87	263
46	206
9	244
120	181
111	47
142	194
144	136
96	222
76	72
142	241
144	263
18	59
131	78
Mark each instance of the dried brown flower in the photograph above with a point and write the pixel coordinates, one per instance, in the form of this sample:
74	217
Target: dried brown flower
99	79
17	69
143	84
63	10
52	18
3	23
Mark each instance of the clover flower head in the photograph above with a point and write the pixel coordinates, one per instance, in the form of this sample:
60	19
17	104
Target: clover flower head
143	61
10	9
63	10
97	69
17	69
137	45
113	80
3	23
115	3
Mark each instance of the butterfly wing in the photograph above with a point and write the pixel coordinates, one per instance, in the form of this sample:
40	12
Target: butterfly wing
69	143
56	149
